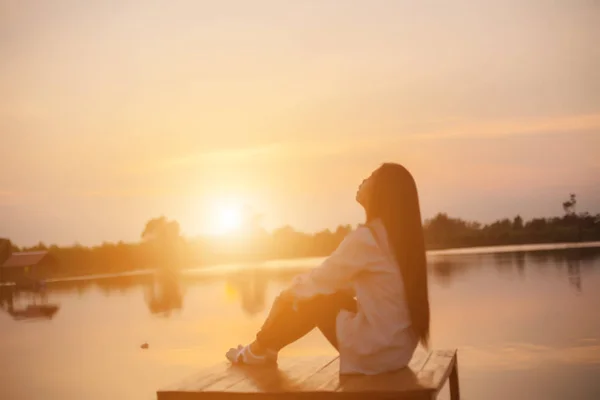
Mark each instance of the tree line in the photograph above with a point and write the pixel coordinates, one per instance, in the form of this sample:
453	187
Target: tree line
162	245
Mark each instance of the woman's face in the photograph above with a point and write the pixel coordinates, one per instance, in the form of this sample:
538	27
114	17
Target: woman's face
364	190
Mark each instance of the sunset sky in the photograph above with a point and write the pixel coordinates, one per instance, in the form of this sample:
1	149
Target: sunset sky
113	112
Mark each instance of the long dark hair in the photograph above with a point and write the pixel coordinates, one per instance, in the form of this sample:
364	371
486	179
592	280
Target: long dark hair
395	201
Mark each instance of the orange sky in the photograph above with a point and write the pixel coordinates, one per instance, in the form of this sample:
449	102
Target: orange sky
114	112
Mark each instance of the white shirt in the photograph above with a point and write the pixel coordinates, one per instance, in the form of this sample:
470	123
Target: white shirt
379	337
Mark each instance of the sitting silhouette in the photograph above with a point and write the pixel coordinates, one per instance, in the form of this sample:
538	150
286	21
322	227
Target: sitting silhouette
370	297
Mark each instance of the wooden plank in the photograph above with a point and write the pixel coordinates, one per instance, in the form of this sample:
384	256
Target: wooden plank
235	374
329	379
290	375
326	379
453	380
419	360
402	382
238	379
435	372
219	379
387	381
199	380
317	376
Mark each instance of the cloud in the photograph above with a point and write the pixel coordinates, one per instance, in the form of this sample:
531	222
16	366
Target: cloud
360	151
121	193
565	124
225	155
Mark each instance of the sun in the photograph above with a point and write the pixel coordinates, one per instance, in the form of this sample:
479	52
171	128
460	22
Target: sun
228	219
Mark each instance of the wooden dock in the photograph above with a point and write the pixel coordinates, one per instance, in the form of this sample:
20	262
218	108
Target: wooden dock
319	378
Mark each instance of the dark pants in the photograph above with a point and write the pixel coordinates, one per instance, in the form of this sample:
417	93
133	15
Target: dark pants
286	324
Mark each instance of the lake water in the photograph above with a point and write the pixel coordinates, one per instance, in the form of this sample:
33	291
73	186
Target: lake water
527	326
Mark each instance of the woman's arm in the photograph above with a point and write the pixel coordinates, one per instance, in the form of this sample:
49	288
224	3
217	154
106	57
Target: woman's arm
355	254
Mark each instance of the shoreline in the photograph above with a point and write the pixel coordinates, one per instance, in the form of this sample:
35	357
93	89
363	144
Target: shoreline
308	261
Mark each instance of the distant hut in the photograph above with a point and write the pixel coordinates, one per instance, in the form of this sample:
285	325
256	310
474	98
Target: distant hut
27	269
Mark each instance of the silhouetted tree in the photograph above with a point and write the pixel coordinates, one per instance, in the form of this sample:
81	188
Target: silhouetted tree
163	246
517	223
161	229
163	243
569	205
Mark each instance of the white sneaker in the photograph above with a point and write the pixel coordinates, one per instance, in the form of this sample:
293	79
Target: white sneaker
243	355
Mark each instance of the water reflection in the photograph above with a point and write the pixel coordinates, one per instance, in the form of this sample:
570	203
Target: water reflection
444	269
517	318
108	285
574	270
26	305
164	290
520	263
163	293
6	298
251	287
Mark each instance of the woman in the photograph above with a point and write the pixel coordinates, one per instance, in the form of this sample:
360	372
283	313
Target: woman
369	298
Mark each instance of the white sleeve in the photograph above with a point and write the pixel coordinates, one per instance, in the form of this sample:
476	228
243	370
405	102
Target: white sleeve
355	254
